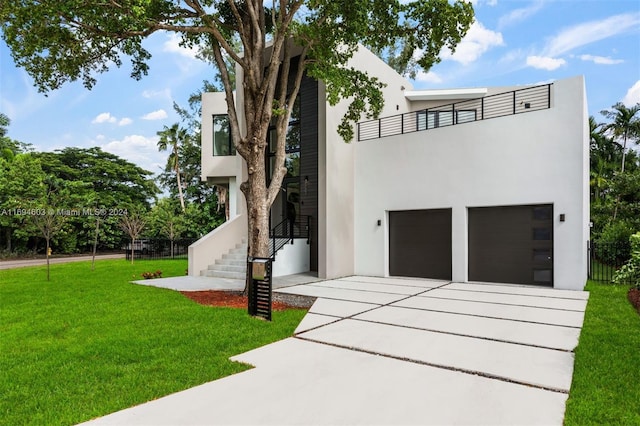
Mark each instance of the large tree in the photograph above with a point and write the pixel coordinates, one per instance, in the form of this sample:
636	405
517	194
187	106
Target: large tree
174	137
624	127
64	40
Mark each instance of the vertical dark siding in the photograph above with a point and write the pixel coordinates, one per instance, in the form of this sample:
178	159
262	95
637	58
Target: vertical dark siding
309	160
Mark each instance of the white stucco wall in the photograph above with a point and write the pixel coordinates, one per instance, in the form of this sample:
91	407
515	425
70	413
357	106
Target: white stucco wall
292	258
336	238
533	158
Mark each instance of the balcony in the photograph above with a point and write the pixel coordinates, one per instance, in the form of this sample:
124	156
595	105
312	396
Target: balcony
500	105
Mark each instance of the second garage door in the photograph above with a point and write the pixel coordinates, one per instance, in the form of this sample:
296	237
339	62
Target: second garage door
420	243
512	244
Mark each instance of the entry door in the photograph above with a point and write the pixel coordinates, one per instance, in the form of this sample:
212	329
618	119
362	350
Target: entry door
287	206
420	243
511	244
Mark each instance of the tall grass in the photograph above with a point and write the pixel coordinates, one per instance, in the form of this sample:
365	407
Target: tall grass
89	343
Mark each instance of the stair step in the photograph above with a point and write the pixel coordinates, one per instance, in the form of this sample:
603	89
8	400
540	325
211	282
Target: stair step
235	256
235	262
228	268
221	274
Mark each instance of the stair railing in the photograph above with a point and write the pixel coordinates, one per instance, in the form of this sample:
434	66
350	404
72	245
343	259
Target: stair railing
285	232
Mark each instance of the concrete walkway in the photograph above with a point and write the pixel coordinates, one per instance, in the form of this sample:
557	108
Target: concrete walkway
398	351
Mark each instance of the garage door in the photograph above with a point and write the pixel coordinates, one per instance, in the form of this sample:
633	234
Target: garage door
511	244
420	243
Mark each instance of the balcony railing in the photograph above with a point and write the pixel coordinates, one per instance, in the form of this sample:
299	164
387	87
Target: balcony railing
509	103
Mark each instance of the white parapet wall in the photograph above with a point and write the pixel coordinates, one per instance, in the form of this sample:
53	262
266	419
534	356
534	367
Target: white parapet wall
212	246
292	258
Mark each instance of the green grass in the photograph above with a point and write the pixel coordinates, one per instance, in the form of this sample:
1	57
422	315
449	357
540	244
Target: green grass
89	343
606	377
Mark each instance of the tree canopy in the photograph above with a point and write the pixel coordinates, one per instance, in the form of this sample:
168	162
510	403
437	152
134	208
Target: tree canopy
57	41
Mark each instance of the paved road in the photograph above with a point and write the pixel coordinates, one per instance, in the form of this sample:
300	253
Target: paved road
10	264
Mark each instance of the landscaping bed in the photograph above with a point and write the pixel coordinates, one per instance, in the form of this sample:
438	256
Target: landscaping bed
235	299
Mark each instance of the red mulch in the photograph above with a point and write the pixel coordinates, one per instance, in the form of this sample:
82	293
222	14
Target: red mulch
634	298
229	299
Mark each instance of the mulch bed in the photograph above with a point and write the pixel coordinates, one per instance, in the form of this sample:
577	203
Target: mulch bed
235	299
634	298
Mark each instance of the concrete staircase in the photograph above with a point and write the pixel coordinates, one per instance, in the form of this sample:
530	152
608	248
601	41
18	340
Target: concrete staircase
232	265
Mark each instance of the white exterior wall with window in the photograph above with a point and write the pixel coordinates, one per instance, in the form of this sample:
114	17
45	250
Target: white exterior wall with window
539	157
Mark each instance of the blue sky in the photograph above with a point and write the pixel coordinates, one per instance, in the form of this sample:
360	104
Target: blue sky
512	42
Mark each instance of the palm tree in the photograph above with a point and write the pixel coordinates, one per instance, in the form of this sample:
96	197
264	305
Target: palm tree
173	136
625	125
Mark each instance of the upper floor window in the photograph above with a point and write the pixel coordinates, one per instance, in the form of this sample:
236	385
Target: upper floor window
222	141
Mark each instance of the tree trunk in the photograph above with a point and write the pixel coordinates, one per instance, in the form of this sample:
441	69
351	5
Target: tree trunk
7	234
48	276
181	195
95	244
133	241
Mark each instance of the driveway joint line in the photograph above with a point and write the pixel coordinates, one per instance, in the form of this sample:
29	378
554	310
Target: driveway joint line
502	303
444	367
365	311
491	339
484	316
512	294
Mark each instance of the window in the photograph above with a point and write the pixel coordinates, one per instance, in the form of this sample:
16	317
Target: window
222	141
292	144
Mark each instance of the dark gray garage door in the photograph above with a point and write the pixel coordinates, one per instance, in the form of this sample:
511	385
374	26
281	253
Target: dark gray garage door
420	243
511	244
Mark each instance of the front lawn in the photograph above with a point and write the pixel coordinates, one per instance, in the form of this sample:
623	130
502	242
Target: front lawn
86	343
606	377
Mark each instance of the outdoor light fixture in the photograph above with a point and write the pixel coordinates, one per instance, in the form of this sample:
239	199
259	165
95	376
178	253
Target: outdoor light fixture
306	185
561	217
379	222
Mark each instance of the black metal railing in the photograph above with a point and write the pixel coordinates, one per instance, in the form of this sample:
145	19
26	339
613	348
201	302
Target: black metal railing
509	103
159	248
284	233
606	258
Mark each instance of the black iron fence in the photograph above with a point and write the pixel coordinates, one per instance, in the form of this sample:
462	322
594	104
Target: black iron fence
606	258
158	248
500	105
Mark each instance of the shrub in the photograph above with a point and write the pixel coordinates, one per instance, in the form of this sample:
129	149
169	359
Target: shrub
152	275
613	248
630	272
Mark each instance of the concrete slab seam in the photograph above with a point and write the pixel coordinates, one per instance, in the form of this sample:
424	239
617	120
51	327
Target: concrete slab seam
514	294
500	303
368	310
484	316
444	367
370	282
357	289
491	339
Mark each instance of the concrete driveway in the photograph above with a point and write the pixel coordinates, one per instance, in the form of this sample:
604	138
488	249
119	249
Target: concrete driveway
398	351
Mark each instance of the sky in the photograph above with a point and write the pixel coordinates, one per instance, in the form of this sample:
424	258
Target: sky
512	42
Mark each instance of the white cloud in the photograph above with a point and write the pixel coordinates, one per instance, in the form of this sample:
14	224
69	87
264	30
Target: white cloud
104	117
633	95
476	42
545	63
151	94
155	115
125	121
172	45
518	15
137	149
589	32
601	60
428	77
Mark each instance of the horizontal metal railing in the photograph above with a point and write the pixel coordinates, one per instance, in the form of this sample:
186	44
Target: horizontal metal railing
509	103
284	233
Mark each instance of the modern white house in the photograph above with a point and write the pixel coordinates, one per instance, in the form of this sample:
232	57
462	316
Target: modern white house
466	185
